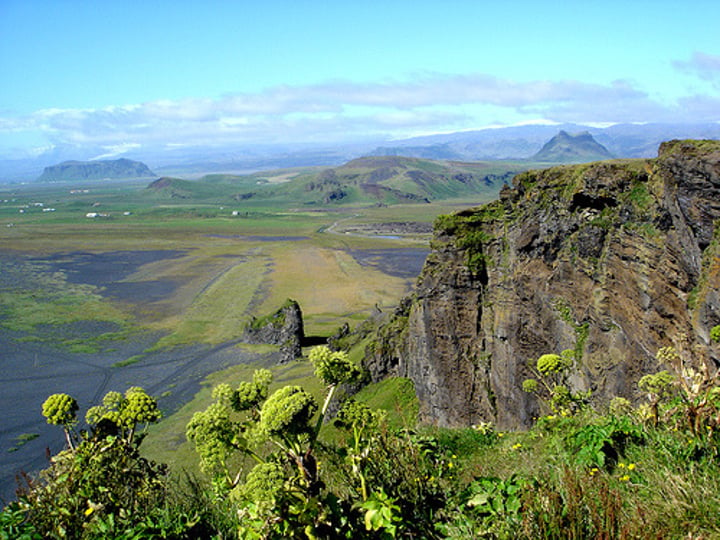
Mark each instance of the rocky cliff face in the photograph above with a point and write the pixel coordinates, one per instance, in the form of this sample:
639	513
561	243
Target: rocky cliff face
284	327
611	260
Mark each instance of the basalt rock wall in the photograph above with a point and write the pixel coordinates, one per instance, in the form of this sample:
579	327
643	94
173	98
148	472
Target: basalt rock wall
610	259
284	327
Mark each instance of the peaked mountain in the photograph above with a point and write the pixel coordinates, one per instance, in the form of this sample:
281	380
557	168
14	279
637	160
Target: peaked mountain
95	170
610	261
567	148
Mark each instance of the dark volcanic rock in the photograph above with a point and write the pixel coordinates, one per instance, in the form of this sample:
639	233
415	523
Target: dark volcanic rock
612	260
284	328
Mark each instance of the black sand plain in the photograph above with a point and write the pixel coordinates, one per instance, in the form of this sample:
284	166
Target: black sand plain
31	370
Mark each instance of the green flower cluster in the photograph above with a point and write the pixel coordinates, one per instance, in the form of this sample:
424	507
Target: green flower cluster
125	411
212	432
222	393
60	410
553	363
356	415
264	484
288	411
660	384
333	367
250	394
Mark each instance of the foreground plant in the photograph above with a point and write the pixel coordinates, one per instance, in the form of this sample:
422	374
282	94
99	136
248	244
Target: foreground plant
100	485
687	396
283	494
551	384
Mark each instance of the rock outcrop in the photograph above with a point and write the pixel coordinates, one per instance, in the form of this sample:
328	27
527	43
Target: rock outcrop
612	260
284	328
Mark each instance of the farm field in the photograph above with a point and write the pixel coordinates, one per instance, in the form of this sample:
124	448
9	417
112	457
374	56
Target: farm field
157	294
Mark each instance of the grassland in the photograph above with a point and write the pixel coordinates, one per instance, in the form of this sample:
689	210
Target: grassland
146	292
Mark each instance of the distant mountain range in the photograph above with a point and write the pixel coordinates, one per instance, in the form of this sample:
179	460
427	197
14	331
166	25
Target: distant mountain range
509	143
95	170
523	142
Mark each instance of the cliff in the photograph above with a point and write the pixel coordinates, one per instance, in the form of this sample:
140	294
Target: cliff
284	327
611	260
95	170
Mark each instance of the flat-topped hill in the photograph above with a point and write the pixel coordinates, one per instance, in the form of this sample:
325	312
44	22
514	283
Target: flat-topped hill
95	170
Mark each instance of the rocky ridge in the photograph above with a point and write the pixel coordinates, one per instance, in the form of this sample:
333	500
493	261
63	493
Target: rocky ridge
611	260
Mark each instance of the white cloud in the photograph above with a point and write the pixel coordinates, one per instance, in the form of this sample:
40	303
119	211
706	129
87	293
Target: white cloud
704	66
343	110
116	150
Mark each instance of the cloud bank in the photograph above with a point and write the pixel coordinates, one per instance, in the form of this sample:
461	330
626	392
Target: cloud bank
341	110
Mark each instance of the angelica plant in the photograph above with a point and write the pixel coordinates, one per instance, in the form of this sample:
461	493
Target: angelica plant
125	412
361	422
551	385
101	478
283	491
61	410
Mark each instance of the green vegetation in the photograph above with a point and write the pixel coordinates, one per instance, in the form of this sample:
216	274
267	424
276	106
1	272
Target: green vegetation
22	440
44	306
577	473
262	458
468	229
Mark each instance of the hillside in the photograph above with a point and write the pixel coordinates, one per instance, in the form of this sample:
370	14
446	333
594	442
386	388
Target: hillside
392	180
367	180
95	170
611	260
567	148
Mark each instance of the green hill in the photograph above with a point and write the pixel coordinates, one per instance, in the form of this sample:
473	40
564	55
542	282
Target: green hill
367	180
390	180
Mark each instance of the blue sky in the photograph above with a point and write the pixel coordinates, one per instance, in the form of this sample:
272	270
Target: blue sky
132	74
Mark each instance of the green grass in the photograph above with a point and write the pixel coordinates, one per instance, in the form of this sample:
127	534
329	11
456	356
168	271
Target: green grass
21	440
396	395
221	311
42	304
166	440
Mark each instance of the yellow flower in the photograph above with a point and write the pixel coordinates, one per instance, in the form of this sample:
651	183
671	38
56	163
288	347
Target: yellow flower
89	510
516	446
450	465
624	478
631	467
621	465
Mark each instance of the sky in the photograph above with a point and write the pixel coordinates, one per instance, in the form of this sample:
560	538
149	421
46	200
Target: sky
129	74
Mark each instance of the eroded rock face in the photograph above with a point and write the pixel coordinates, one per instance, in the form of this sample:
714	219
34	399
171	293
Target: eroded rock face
610	259
284	328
